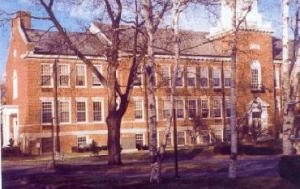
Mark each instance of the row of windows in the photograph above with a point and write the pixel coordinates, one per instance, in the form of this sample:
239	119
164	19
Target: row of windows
63	71
64	111
63	75
190	108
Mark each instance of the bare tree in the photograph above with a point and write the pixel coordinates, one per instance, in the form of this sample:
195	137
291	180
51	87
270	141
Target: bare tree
290	79
115	94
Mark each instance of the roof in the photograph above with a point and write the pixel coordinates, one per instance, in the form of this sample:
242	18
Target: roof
191	43
51	42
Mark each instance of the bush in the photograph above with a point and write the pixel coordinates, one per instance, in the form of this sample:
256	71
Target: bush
289	168
10	151
224	148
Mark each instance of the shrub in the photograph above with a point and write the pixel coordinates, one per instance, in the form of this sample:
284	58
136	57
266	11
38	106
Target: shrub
289	168
224	148
11	151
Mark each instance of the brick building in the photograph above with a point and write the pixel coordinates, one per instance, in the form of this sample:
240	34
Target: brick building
203	87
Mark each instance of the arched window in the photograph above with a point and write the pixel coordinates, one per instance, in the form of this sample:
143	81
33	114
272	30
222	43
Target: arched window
255	75
15	85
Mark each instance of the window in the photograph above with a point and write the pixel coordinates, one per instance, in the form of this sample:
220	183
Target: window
138	109
278	103
191	76
64	111
217	107
204	77
139	140
97	111
46	112
216	78
15	85
227	107
192	108
277	78
46	75
179	77
166	109
63	75
227	78
179	105
95	80
80	75
81	141
255	75
81	111
204	108
138	77
180	138
165	76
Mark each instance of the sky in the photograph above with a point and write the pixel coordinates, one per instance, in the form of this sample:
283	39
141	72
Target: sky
198	19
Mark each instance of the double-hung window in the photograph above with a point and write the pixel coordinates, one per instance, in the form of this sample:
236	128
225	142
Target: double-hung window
97	110
46	111
165	76
255	75
81	141
63	75
227	78
192	110
227	107
95	80
204	108
217	107
64	111
81	108
216	78
167	109
46	75
179	105
203	77
191	76
138	109
80	75
179	77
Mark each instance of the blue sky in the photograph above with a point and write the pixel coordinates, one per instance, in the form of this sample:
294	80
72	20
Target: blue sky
193	19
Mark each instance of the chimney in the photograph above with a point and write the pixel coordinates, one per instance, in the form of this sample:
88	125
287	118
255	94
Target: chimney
24	18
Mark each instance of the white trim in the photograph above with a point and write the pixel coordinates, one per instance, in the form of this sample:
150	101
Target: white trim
51	75
15	86
137	98
65	99
101	100
99	67
85	76
68	72
191	70
85	100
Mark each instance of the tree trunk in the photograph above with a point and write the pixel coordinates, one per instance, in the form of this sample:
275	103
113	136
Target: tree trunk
113	139
233	119
288	112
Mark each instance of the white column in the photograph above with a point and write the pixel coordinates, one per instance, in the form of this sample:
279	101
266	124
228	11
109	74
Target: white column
5	118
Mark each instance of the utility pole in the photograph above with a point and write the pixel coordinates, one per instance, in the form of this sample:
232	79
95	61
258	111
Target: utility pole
55	116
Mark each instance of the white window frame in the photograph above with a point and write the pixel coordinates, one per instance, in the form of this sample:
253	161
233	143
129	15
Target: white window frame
86	110
167	106
76	74
68	100
166	79
137	135
85	139
191	75
227	76
255	65
204	74
217	101
227	106
202	107
50	74
176	108
180	76
101	100
216	75
95	81
59	74
47	100
135	100
189	108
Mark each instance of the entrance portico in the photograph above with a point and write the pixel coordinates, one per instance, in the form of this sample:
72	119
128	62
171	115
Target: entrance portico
10	126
